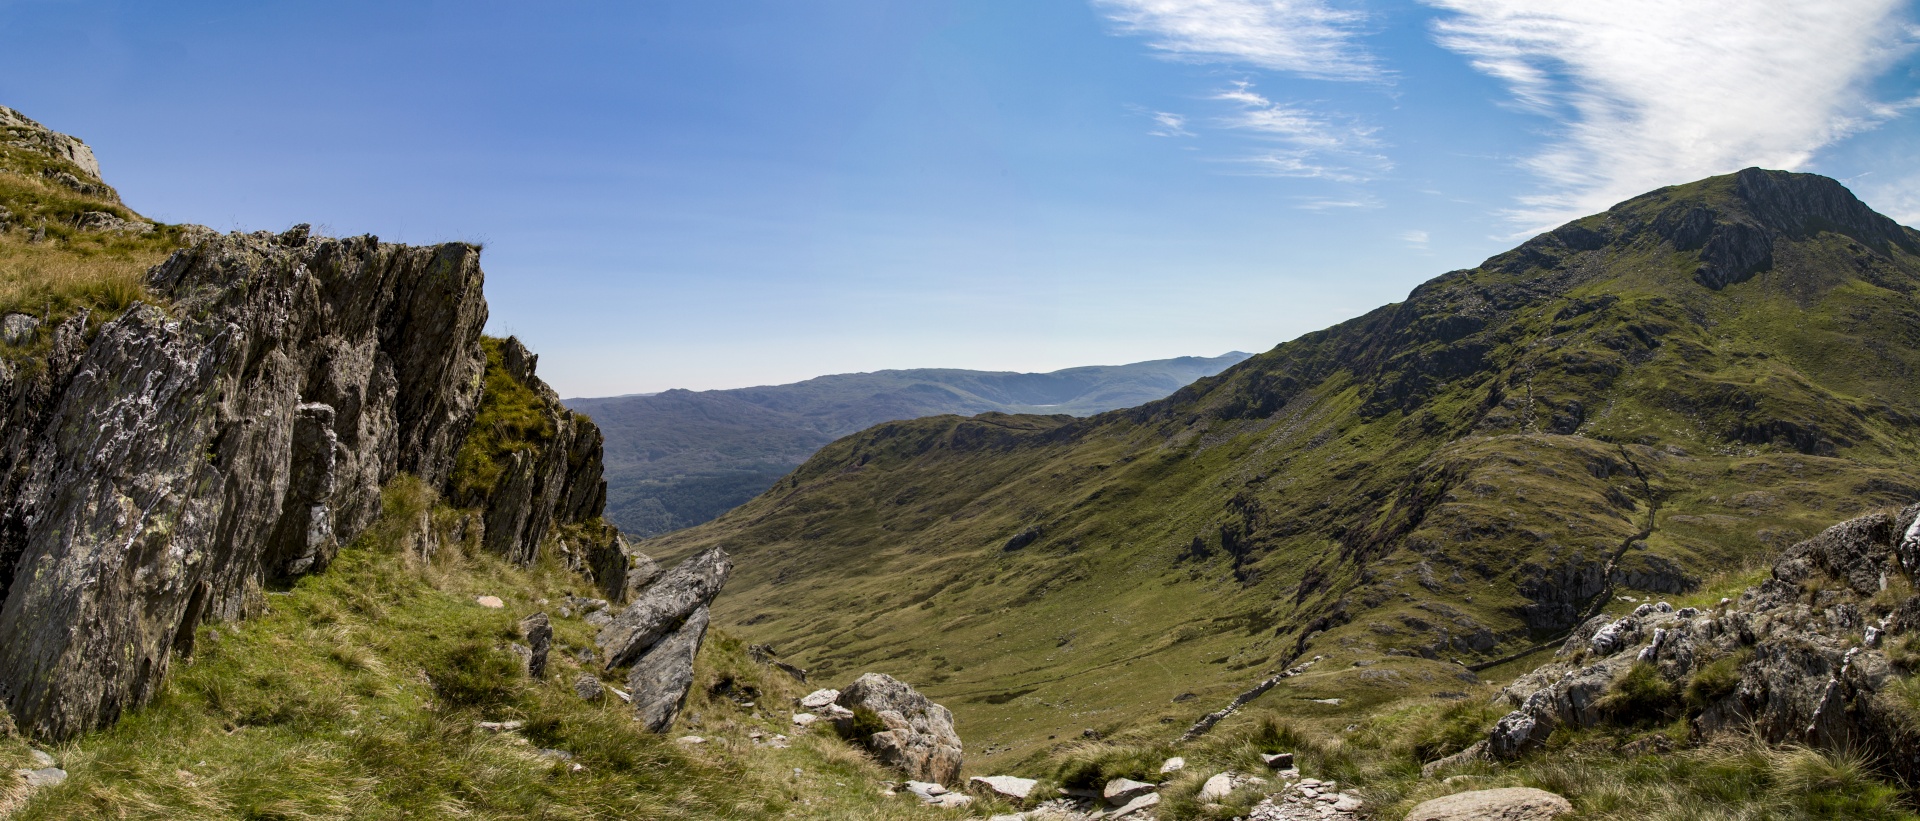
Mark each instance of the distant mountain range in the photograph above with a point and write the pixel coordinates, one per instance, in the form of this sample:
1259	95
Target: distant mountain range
679	458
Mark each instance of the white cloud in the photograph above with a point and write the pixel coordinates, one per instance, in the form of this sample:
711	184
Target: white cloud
1417	239
1169	125
1302	143
1305	37
1655	92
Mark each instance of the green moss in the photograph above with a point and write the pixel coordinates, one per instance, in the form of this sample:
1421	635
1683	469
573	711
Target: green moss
512	418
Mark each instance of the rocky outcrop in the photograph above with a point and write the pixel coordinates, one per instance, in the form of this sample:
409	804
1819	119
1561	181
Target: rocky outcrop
163	471
1807	657
548	483
659	634
919	738
18	131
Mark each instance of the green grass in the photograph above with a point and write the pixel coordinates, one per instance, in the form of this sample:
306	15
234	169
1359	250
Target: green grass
68	269
358	694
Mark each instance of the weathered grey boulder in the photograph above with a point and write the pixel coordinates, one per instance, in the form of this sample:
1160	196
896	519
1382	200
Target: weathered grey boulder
1008	787
1509	804
589	688
538	630
18	329
919	740
660	679
665	605
1121	790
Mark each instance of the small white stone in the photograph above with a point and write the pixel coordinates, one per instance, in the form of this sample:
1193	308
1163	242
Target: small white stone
490	602
1173	765
691	739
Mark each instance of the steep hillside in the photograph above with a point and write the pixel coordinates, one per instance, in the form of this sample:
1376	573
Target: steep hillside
1637	403
679	458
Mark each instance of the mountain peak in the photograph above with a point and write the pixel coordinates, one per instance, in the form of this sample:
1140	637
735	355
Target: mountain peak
1731	224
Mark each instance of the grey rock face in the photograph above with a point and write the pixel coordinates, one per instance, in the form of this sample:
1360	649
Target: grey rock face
665	605
659	634
661	677
919	740
19	131
559	482
158	474
103	221
1813	670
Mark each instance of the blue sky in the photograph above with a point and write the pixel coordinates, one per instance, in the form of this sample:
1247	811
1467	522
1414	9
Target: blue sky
719	194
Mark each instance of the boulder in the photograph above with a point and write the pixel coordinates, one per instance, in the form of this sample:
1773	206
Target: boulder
663	607
1012	788
589	688
18	329
538	631
1216	788
659	681
919	739
43	777
1509	804
1278	761
1173	765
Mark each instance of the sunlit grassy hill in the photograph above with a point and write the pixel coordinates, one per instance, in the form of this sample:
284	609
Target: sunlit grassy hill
1633	405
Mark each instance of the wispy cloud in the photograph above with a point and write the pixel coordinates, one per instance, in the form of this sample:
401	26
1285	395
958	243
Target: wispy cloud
1654	92
1301	142
1417	239
1309	38
1169	125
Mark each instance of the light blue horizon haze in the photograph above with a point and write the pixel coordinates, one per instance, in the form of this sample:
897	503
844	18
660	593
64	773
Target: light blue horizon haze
721	194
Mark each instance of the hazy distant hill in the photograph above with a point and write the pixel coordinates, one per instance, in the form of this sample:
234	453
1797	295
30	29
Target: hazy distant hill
679	458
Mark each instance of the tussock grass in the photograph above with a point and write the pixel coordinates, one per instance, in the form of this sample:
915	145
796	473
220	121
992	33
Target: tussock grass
358	694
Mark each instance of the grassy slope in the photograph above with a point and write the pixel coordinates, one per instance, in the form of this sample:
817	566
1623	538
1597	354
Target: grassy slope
1406	484
359	693
69	269
680	458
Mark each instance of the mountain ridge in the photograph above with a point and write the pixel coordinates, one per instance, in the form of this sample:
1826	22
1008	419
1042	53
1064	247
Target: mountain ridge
1624	405
678	457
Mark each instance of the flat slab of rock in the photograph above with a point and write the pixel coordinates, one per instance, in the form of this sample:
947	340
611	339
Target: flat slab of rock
818	699
1173	765
1278	761
1509	804
1010	787
1137	807
490	602
1122	790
